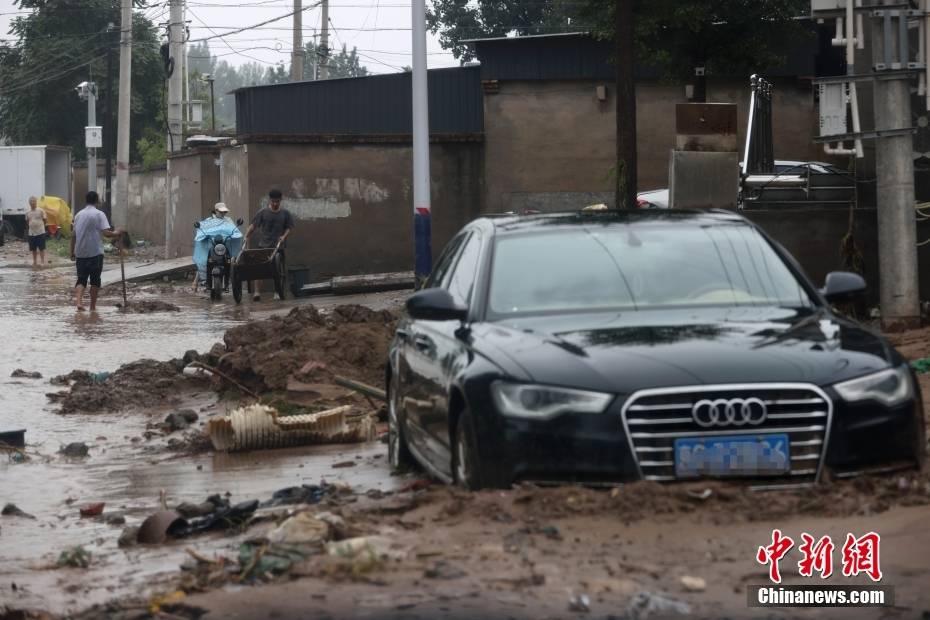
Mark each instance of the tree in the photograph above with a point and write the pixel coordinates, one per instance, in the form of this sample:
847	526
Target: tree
59	44
727	37
345	64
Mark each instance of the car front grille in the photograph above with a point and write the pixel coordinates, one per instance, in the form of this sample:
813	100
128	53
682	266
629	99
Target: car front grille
653	419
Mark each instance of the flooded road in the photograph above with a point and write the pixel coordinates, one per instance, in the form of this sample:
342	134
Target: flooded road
40	331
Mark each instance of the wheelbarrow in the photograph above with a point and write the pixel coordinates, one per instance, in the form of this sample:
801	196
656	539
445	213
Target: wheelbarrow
259	264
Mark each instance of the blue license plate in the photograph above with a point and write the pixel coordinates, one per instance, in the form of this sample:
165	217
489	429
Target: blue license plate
743	455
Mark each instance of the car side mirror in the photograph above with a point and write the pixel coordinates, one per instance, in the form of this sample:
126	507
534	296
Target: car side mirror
435	304
196	224
239	222
842	286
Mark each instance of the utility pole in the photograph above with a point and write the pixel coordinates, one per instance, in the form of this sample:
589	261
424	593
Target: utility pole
210	79
625	189
897	223
297	56
108	133
121	204
324	39
175	80
91	123
423	260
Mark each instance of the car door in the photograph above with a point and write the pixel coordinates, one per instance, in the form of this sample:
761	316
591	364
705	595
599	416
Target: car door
412	362
442	354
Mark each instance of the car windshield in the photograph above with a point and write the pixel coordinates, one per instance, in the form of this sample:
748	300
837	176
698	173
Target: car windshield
638	267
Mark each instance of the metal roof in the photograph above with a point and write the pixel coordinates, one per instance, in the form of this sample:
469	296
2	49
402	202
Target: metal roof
371	105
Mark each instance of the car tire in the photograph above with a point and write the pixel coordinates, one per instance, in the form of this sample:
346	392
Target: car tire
465	454
399	455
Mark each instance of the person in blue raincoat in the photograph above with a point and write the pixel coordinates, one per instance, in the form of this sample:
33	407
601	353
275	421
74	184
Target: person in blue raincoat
219	223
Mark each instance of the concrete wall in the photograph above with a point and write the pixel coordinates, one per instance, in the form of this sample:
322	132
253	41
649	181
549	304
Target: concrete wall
147	199
813	237
234	180
551	145
353	202
193	189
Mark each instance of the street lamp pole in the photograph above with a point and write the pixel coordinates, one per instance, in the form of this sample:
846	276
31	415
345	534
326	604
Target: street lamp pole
212	107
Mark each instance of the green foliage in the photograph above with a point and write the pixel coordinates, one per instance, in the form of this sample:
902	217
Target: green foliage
345	64
59	44
152	149
728	37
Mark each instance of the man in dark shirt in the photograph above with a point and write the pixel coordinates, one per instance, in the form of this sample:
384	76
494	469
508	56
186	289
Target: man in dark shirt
273	224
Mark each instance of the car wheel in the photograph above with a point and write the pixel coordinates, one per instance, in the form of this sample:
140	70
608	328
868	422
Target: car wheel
464	453
398	453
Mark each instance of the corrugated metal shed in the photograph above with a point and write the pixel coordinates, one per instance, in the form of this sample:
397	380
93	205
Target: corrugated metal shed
373	105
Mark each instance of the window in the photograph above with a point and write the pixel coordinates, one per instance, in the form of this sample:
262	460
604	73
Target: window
636	267
446	260
462	281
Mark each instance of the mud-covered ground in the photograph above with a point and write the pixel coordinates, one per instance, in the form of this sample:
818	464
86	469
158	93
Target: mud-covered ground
430	551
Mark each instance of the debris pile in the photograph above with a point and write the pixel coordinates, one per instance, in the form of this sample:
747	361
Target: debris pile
352	340
140	384
148	306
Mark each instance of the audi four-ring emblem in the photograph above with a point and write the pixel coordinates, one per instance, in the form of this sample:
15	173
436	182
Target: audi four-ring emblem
729	412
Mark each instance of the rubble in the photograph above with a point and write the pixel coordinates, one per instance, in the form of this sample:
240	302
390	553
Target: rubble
352	340
77	449
140	384
12	510
19	373
147	306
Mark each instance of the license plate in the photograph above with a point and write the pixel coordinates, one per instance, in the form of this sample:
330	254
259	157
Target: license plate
745	455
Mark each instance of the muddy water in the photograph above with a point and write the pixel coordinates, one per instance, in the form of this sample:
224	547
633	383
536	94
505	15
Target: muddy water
40	332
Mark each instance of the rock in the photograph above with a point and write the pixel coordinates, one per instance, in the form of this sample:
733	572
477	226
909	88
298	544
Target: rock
190	356
301	530
77	557
648	605
115	518
188	414
77	449
343	464
12	510
176	422
189	510
129	537
19	373
693	584
579	602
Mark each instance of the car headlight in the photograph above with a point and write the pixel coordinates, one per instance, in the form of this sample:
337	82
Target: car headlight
542	401
219	249
889	387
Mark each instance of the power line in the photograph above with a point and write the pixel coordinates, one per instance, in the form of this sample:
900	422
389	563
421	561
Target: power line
253	27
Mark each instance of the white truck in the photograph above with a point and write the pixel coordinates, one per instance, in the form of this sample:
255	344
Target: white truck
26	171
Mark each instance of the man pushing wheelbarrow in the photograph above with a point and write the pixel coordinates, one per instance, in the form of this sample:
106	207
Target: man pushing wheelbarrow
273	224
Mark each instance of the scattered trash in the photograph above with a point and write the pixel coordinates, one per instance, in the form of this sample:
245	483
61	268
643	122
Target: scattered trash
647	604
76	557
262	560
196	371
700	495
444	570
158	602
99	377
416	485
77	449
159	526
365	553
551	531
92	510
12	510
19	373
15	440
693	584
921	365
260	426
190	511
301	530
129	536
579	602
306	494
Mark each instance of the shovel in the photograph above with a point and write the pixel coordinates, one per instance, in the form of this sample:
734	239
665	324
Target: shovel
123	244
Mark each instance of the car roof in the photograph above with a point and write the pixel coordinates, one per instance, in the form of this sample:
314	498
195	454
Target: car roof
521	223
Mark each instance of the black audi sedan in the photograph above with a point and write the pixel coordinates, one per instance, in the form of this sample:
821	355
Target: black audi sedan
606	347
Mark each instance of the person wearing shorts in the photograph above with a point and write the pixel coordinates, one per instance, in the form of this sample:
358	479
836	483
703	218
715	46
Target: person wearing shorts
87	249
273	225
36	219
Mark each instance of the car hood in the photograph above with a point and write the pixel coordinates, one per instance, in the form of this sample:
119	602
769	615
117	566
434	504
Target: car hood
625	352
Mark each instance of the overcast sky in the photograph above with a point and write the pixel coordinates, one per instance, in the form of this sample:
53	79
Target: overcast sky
380	29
